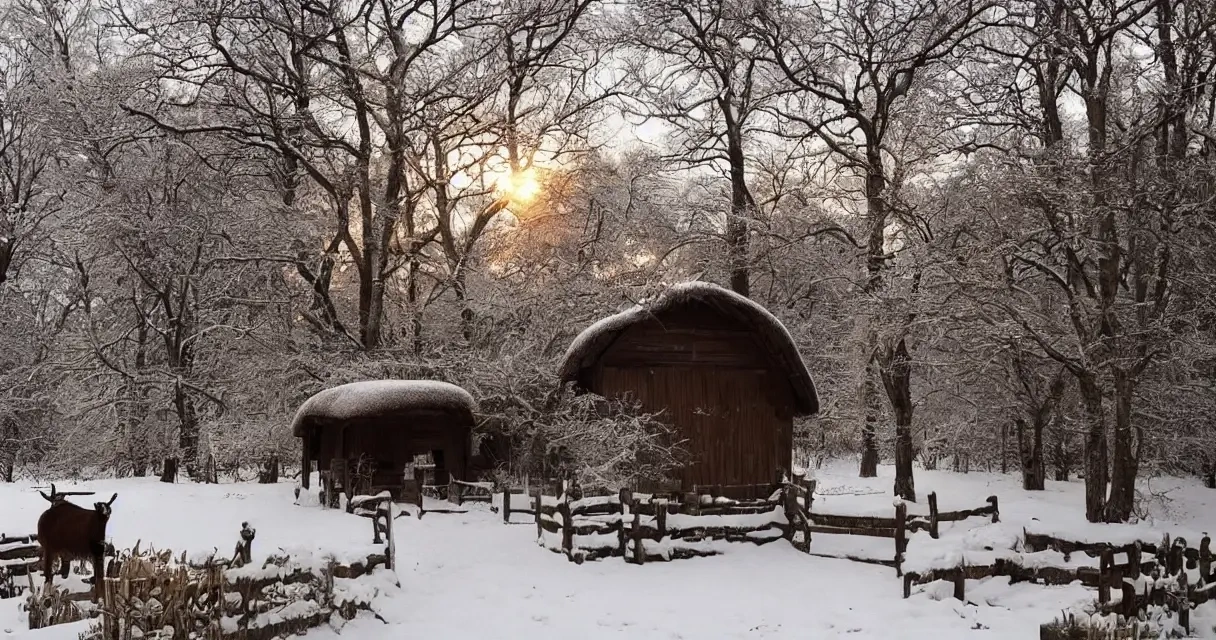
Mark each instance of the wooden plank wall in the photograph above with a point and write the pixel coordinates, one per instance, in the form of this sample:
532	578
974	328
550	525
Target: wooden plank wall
712	381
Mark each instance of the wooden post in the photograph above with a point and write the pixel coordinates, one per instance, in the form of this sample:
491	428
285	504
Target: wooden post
244	546
1104	575
418	479
960	583
660	516
639	554
563	508
996	509
811	485
901	542
1176	559
454	492
621	540
1205	559
789	501
506	505
689	503
540	531
908	585
390	561
1129	599
933	515
1184	616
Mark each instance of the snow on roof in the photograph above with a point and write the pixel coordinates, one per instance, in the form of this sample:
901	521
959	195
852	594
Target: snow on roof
373	398
595	340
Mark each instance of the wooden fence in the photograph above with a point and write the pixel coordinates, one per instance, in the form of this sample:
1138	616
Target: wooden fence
19	555
804	522
150	594
1170	578
643	528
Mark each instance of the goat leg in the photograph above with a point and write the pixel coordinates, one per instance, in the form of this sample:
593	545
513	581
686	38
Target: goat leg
48	560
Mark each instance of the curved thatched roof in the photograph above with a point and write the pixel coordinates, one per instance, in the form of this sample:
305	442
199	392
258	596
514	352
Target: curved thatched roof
383	398
595	340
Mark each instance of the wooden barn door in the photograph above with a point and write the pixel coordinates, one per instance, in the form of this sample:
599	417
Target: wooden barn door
732	430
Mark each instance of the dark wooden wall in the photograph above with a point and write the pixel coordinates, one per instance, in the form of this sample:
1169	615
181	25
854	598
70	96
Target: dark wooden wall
713	382
395	440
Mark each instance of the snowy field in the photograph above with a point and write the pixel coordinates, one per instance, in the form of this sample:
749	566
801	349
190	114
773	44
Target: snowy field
470	576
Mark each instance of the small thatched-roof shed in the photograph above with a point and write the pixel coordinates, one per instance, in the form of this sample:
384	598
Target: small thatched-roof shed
386	423
721	368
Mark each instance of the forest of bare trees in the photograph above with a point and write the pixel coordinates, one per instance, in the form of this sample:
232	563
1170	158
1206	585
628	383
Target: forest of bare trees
989	225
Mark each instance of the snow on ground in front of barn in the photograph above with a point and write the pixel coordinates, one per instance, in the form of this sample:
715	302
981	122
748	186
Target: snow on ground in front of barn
468	575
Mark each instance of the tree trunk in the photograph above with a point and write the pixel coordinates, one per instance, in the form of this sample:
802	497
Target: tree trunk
466	312
1209	475
1096	472
269	473
1004	448
877	213
1059	451
1126	462
1030	447
869	428
897	380
169	470
737	240
187	440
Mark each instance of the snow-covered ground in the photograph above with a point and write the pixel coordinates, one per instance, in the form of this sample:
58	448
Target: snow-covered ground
469	575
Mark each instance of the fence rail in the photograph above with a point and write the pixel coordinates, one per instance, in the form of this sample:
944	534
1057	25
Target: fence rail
217	598
804	523
642	528
1171	577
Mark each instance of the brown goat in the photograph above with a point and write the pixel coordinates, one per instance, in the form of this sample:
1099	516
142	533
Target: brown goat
69	532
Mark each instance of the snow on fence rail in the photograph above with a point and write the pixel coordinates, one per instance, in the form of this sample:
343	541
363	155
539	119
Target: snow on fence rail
1162	582
799	508
643	528
19	555
151	594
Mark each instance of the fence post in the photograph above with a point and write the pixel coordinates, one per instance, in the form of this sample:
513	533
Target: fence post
1205	559
901	542
537	500
506	505
563	508
639	554
790	502
996	509
690	503
660	515
1129	600
908	585
244	547
960	583
933	515
623	498
454	492
1177	556
1104	575
390	553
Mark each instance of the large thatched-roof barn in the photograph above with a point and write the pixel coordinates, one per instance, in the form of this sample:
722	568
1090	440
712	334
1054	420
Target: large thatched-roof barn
720	368
384	424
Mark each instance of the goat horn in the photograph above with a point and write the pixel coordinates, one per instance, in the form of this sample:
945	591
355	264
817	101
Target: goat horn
48	498
113	498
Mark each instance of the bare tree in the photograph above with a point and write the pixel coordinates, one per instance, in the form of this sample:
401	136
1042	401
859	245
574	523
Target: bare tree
850	66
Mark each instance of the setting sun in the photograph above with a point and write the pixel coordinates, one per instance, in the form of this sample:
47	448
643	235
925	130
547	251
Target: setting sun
521	187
